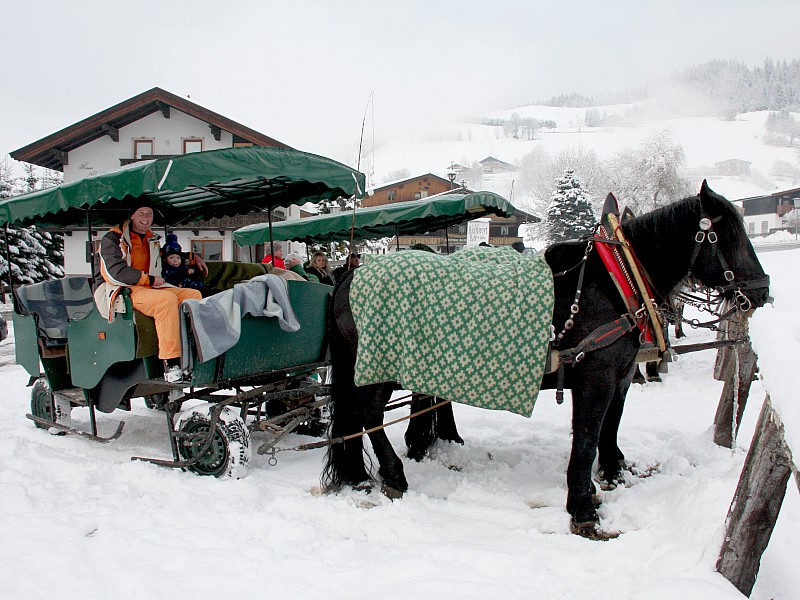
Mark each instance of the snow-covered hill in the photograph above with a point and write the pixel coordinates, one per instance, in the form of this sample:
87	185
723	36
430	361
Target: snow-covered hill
705	140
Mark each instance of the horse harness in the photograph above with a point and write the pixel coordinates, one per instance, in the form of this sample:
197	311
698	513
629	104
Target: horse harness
632	283
632	290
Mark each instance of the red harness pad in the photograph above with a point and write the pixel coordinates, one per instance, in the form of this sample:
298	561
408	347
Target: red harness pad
613	262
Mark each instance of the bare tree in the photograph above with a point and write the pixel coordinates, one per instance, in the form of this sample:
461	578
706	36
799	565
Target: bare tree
651	175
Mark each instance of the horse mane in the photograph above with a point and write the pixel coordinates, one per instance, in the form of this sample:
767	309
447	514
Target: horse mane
687	212
663	220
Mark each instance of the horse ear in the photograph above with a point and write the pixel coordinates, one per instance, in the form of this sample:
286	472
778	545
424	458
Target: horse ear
707	194
628	214
706	191
611	206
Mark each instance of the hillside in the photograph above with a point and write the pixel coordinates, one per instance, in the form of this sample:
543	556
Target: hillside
705	140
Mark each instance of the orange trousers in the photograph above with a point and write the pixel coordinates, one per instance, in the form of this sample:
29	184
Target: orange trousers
162	304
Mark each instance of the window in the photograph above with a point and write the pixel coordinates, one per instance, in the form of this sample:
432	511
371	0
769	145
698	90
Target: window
417	195
208	249
192	145
751	228
96	244
142	148
391	195
504	230
764	226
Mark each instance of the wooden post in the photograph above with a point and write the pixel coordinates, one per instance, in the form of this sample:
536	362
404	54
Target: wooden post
721	362
737	378
756	503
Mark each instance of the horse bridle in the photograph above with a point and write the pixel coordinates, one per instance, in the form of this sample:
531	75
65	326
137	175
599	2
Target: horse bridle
704	234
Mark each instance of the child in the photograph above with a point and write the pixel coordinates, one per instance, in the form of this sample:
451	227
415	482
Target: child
175	270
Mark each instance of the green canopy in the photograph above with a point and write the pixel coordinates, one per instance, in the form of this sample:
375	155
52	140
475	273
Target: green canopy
403	218
190	187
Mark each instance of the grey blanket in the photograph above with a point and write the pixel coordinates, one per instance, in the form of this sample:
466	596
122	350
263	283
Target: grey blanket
216	321
53	303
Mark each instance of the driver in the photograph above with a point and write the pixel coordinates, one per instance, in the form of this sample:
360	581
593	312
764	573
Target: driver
130	257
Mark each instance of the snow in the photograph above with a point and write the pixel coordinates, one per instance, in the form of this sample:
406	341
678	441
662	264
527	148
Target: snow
705	140
486	519
775	332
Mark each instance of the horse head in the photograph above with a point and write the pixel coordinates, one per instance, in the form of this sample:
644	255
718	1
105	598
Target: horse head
723	257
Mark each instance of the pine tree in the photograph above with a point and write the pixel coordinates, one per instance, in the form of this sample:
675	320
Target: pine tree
36	255
569	214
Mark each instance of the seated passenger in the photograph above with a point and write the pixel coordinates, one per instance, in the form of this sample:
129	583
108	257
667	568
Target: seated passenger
176	269
294	263
278	260
353	261
130	257
318	267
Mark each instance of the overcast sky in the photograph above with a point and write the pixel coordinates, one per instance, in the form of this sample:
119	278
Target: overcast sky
302	71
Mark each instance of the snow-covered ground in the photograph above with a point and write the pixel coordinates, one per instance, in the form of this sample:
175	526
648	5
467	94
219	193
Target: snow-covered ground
705	140
483	520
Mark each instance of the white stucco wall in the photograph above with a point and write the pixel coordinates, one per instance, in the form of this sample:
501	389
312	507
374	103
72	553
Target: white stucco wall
75	262
773	222
103	154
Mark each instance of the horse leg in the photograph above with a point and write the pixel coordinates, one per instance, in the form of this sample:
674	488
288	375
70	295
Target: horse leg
446	421
637	376
390	466
344	462
590	402
422	429
611	460
426	428
651	370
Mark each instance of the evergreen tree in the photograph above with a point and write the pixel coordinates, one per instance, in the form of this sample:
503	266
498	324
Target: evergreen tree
570	214
36	255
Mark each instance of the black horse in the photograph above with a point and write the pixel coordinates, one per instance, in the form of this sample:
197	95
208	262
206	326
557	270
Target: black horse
702	235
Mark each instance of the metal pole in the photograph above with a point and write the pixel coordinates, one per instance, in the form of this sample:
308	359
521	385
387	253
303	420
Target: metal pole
397	238
8	264
91	247
446	240
271	241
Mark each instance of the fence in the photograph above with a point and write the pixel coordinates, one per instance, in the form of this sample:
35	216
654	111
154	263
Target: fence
768	465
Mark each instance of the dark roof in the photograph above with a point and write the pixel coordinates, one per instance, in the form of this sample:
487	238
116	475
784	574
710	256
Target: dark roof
49	151
777	195
410	179
493	159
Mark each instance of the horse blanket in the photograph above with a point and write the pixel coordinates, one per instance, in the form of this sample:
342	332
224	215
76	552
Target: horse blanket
471	327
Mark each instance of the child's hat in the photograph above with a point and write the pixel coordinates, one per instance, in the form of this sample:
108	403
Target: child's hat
172	246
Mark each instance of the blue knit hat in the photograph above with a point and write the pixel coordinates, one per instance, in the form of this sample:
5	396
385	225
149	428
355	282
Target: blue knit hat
172	246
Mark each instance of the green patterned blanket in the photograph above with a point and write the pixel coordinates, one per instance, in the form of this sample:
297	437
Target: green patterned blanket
471	327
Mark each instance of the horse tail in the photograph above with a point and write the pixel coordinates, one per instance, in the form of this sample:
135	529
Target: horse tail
344	462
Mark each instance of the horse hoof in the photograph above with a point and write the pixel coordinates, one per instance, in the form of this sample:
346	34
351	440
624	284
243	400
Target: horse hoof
457	439
416	454
391	492
591	531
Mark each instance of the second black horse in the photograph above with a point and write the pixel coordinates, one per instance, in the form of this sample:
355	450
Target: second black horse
702	235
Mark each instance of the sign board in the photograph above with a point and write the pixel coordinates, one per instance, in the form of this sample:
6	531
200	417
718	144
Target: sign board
478	231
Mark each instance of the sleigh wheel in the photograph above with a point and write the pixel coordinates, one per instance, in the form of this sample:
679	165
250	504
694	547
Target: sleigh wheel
229	451
156	401
42	401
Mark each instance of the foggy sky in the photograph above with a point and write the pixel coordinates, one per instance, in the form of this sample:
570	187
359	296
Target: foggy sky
302	71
